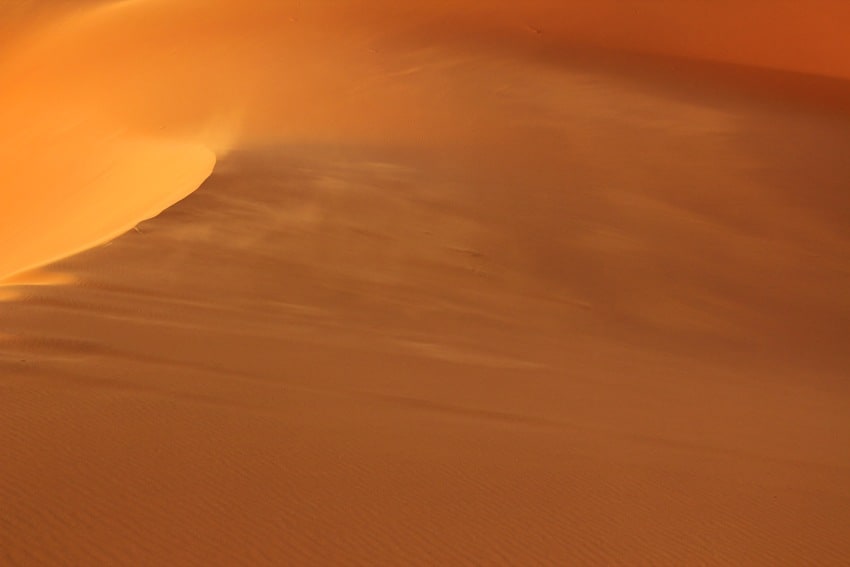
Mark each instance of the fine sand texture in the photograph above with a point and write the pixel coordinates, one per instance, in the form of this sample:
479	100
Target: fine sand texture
426	283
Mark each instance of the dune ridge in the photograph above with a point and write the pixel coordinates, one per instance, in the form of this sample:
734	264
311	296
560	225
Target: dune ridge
454	293
70	163
125	75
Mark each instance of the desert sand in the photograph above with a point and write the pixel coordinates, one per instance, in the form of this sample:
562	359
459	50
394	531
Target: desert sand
424	283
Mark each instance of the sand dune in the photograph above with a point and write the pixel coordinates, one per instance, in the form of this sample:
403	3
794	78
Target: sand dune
478	283
150	71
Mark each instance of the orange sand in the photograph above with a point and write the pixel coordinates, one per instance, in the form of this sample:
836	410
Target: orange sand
471	283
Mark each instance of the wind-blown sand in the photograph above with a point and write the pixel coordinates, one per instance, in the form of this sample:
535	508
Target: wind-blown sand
458	289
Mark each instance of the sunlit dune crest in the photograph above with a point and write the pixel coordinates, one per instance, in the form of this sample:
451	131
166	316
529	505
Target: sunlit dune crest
127	181
76	165
163	70
424	282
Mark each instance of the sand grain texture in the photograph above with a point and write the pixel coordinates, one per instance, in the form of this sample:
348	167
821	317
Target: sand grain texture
450	292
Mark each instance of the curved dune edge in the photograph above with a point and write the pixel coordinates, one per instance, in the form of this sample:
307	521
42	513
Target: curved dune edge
82	162
589	322
115	203
86	168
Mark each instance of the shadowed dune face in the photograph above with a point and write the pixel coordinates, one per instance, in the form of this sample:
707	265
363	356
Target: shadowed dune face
779	34
452	294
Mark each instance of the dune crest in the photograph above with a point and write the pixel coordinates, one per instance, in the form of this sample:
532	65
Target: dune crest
84	189
72	164
460	291
107	102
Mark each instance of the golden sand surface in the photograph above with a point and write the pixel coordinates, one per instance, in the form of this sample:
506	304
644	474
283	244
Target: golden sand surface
424	283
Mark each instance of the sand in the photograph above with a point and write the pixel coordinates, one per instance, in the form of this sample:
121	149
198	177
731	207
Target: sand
424	284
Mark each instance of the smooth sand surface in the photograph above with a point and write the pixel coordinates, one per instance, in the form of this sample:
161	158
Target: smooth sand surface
456	292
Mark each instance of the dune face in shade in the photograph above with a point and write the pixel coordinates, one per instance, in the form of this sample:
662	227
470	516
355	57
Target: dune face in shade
424	282
779	34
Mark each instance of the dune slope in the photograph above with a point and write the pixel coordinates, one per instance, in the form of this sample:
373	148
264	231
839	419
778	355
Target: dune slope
452	295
